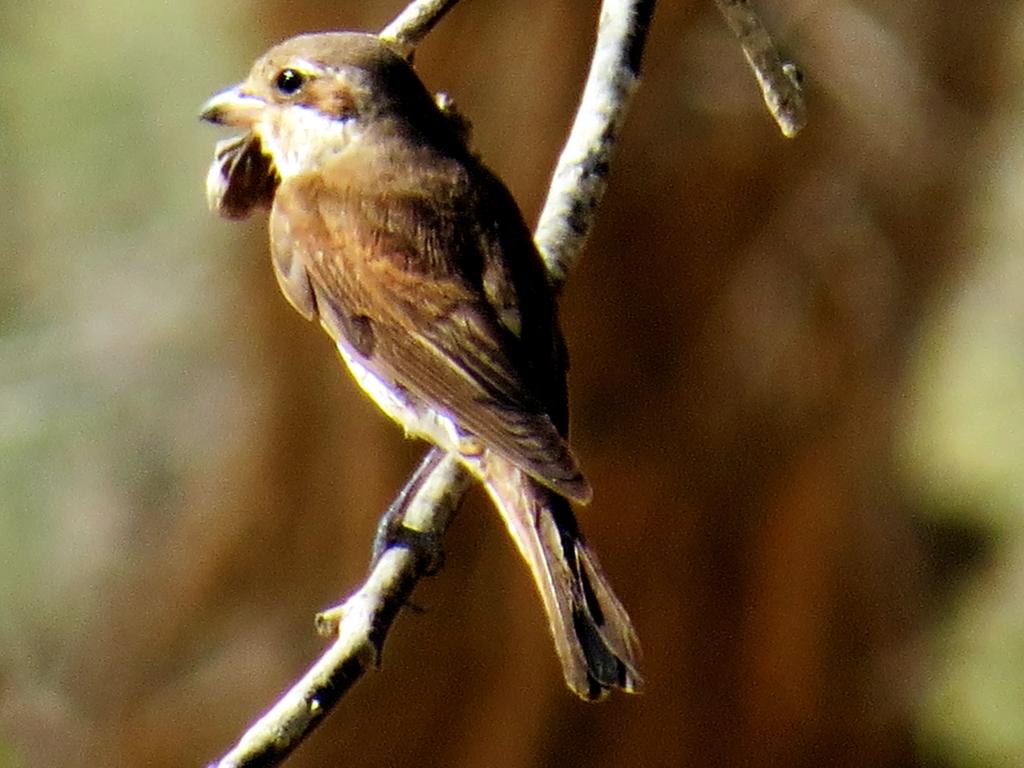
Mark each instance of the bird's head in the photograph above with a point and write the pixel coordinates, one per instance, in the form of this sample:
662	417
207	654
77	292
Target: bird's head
316	96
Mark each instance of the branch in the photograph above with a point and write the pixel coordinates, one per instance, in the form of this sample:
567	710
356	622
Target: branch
415	22
582	172
779	80
426	504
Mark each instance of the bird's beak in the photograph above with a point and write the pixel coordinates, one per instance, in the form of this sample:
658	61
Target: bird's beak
233	107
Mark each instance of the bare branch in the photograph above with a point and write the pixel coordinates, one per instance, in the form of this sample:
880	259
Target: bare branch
779	80
361	623
582	172
415	22
295	715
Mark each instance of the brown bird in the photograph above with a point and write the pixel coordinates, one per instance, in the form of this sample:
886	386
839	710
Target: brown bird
416	260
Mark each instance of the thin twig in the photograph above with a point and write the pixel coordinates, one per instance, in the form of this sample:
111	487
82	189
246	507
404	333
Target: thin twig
361	623
415	22
428	501
779	79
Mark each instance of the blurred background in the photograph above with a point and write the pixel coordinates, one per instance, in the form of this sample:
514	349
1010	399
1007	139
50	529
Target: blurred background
797	389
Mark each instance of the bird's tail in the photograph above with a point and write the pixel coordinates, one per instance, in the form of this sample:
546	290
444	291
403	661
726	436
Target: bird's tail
593	635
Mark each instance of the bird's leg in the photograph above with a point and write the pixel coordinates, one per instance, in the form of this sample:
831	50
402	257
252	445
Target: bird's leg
414	523
393	530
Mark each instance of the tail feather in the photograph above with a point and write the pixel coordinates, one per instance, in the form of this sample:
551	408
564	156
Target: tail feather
593	635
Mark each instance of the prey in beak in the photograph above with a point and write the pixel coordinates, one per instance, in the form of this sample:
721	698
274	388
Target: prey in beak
242	176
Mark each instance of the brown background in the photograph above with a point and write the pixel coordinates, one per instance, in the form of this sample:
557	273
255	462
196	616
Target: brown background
743	329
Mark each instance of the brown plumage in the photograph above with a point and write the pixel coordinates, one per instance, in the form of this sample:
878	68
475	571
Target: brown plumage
417	262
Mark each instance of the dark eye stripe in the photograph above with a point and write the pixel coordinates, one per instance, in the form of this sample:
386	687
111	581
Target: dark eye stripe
289	81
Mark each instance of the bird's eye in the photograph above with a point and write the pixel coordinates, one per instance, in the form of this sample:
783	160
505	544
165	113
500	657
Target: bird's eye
288	81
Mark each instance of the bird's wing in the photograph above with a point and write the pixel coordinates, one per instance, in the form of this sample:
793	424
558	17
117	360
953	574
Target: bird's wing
375	273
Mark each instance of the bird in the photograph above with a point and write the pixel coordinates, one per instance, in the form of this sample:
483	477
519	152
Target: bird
414	257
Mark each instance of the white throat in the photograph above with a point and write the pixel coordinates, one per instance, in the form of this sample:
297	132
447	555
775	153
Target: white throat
301	139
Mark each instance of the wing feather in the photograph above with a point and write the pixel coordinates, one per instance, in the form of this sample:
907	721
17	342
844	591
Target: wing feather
375	266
